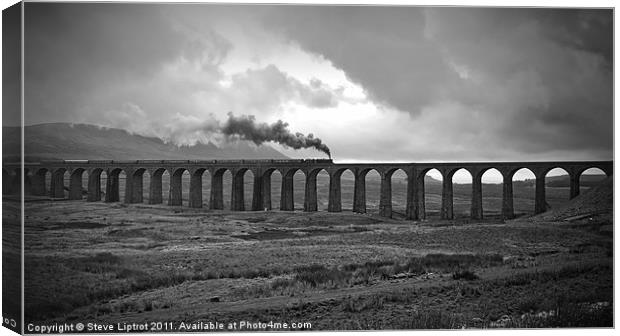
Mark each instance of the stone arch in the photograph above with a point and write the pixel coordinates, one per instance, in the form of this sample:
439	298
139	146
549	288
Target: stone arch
347	189
287	193
523	181
372	190
461	205
577	178
597	172
75	184
113	184
237	196
317	183
196	190
217	188
57	185
268	185
299	187
94	184
175	196
428	186
491	182
335	188
156	177
557	186
581	170
334	203
399	180
40	182
136	183
607	169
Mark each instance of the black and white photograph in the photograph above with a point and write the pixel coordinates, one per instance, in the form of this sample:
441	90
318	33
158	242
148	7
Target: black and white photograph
305	167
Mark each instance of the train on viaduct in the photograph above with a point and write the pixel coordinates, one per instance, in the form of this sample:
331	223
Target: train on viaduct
35	182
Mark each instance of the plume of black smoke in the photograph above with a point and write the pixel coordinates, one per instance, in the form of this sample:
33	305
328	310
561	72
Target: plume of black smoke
247	129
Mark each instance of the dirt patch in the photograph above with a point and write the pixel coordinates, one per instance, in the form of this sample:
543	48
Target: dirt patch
256	220
72	225
288	234
131	233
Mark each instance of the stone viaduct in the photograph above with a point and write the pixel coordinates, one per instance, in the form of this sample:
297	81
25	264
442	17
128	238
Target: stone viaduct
35	183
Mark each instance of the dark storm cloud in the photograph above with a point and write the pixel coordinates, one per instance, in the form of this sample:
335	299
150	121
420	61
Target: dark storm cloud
11	65
535	80
590	30
73	50
131	36
552	90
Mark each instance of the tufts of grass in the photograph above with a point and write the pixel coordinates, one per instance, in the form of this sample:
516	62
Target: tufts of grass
369	265
464	274
566	315
140	305
98	263
356	305
315	275
443	262
569	271
466	290
281	283
431	319
528	304
438	262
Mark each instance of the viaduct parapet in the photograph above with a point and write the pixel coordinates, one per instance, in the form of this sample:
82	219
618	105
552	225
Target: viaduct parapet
35	182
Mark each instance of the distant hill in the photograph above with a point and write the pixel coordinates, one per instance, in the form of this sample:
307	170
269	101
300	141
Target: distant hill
82	141
586	180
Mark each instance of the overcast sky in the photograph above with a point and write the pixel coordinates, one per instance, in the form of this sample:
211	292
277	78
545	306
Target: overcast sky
374	83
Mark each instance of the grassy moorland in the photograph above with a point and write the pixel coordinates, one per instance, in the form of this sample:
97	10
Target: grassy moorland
338	271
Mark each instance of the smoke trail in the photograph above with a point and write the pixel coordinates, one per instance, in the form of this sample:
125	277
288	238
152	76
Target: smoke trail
247	129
